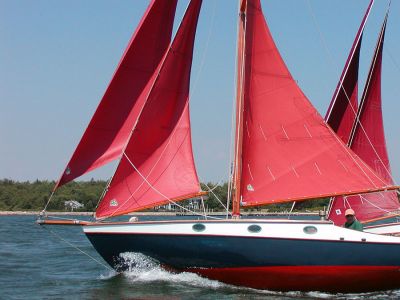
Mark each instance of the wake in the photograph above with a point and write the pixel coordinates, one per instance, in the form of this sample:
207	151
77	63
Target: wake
140	268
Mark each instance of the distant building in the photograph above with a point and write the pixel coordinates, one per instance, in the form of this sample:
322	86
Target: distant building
191	204
72	204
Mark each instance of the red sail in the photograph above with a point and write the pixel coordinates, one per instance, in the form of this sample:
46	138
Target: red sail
343	107
111	125
368	141
289	153
158	164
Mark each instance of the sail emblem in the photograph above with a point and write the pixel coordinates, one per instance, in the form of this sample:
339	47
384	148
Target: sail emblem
250	188
338	212
113	203
67	171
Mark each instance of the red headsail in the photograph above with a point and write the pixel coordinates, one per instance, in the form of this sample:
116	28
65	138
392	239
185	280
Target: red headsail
289	153
112	123
158	164
343	107
368	141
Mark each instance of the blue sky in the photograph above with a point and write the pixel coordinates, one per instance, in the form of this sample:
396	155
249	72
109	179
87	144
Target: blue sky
57	57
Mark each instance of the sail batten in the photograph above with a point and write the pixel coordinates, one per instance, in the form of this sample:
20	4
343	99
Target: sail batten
367	139
157	166
109	129
306	158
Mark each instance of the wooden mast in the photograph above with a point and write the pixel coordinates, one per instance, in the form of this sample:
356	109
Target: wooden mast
239	110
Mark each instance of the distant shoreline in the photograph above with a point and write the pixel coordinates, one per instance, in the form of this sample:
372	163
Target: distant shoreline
86	213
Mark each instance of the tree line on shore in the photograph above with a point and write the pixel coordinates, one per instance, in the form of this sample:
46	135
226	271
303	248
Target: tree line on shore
33	196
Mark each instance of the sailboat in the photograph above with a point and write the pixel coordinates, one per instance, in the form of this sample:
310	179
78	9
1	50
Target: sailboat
284	152
361	128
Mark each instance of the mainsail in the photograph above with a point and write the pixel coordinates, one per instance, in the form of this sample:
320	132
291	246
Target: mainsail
288	152
111	124
368	141
157	165
343	107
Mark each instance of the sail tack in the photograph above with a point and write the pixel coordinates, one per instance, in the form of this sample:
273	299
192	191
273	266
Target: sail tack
111	125
157	164
289	153
368	141
343	107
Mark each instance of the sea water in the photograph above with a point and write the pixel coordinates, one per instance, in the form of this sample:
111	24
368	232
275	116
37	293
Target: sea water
36	263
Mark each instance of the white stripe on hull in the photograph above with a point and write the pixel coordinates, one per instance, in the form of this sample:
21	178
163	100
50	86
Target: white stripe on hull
269	229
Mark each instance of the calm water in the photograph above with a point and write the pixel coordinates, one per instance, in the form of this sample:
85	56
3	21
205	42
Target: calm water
35	264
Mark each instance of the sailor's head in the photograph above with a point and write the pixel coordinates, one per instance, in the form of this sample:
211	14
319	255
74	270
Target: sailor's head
350	215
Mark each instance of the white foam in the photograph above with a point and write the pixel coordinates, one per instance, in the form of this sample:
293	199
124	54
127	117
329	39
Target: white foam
108	275
142	268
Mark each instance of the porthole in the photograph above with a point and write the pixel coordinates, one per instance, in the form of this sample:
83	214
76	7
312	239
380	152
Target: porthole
310	229
198	227
254	228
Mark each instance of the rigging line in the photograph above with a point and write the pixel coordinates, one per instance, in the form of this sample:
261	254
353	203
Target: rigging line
164	196
143	106
211	190
347	149
203	206
156	162
148	95
328	213
392	58
291	210
359	123
61	218
48	202
395	63
193	90
78	249
368	82
332	61
203	58
136	122
104	192
374	205
321	36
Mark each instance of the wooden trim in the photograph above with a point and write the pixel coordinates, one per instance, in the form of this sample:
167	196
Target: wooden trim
381	218
241	44
63	222
241	221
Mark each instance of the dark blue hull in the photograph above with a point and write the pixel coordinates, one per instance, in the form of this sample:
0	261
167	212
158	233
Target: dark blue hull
185	251
265	263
